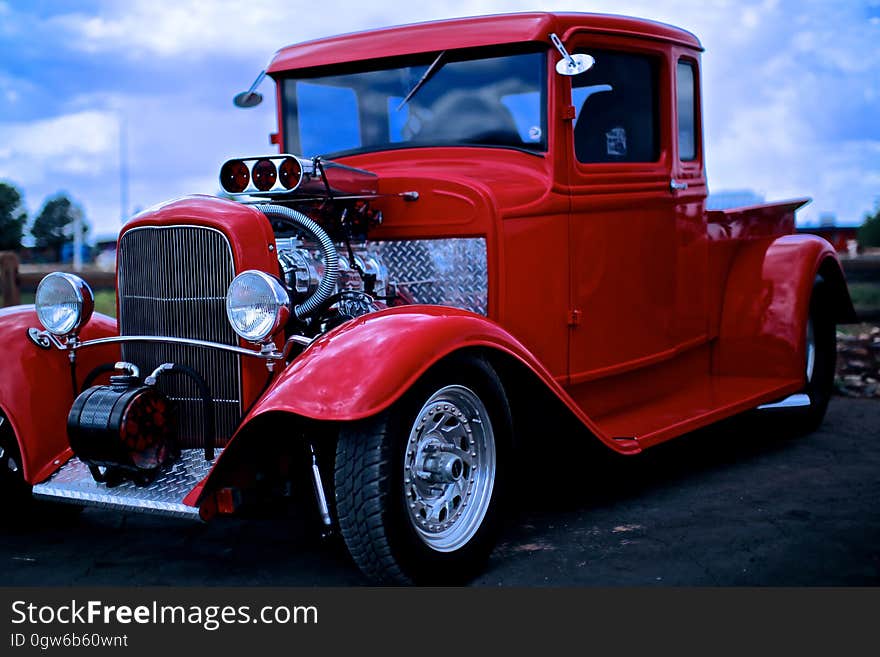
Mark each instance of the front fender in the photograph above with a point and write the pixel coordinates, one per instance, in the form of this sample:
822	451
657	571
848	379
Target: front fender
767	302
363	367
367	364
35	389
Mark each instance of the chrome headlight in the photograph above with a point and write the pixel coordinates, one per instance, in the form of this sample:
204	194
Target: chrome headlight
257	305
64	303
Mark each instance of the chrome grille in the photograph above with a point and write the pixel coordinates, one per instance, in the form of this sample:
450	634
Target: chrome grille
173	282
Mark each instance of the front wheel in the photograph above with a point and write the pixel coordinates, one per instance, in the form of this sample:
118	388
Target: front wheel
20	509
418	488
14	491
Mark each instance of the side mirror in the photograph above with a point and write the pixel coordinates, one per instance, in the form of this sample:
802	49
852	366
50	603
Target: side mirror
570	64
248	99
575	64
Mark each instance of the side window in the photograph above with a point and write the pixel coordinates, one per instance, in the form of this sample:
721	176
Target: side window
687	111
616	109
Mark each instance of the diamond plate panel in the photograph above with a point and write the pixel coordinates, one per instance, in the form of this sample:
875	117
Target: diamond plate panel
444	272
74	483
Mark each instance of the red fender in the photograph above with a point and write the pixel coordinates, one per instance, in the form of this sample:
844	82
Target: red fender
767	301
35	388
364	366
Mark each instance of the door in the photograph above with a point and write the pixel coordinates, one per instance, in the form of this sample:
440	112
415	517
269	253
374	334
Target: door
637	249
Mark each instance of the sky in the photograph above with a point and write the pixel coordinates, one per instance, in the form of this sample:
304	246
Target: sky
791	91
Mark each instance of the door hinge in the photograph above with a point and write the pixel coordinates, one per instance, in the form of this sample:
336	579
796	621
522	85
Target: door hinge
574	317
568	113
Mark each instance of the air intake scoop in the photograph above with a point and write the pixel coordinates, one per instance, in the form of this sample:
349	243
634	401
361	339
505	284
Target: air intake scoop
284	175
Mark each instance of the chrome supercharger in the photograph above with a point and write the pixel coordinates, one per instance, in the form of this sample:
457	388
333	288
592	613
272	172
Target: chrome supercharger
124	430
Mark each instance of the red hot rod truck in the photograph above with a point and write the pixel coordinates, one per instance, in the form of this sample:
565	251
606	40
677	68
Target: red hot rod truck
472	229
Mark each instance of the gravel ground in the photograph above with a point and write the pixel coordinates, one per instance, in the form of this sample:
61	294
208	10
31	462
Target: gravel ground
737	504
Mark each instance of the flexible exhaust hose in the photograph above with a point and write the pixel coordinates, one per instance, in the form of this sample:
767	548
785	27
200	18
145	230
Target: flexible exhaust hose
331	258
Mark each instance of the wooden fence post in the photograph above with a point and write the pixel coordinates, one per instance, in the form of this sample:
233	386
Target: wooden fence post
9	281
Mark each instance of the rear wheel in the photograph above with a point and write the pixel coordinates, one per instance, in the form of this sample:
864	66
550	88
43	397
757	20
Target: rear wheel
418	488
820	361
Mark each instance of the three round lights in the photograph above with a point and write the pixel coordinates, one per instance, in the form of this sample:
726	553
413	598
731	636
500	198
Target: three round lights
257	305
64	303
236	177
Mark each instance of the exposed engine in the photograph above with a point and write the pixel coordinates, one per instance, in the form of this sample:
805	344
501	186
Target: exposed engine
330	277
362	284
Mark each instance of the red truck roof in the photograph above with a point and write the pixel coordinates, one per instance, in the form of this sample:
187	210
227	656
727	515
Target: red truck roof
467	33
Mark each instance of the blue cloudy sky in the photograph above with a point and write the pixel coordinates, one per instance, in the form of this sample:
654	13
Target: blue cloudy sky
792	90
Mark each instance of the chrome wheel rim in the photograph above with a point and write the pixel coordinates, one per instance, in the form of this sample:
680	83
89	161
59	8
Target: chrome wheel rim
449	468
811	350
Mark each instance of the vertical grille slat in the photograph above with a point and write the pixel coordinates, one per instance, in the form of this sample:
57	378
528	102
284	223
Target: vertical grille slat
173	282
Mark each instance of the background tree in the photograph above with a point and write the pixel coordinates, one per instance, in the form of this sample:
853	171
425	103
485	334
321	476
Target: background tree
869	233
53	227
12	218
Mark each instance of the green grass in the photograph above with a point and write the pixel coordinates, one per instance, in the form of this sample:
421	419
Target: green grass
105	302
865	295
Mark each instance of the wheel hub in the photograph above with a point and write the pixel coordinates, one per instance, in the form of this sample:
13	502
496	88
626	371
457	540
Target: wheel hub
449	468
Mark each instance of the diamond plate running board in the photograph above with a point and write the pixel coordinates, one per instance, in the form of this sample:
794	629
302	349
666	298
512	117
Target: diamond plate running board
73	483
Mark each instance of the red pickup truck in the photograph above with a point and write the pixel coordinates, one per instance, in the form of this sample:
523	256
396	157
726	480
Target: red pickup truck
472	232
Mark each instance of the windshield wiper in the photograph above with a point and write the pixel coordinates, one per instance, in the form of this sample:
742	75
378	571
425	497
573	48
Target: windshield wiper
432	69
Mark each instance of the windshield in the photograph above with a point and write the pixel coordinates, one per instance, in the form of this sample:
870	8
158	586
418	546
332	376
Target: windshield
488	100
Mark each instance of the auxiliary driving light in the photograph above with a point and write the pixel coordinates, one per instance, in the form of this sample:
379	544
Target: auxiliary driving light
290	173
234	176
257	305
264	174
64	303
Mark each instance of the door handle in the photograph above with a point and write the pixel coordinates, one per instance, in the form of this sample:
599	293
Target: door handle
676	186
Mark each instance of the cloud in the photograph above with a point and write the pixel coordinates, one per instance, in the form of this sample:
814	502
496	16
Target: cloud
791	91
65	144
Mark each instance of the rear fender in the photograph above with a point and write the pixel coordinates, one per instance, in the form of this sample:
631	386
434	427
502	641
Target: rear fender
35	389
767	302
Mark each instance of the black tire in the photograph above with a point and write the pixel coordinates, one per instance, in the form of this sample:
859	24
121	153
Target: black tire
820	385
20	509
14	491
374	505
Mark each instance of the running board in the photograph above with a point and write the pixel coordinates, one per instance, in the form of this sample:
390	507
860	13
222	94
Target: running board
74	484
794	401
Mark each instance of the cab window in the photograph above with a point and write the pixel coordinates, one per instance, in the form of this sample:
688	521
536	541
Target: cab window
616	109
687	111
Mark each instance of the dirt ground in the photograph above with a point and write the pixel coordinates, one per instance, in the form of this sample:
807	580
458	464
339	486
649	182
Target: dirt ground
730	505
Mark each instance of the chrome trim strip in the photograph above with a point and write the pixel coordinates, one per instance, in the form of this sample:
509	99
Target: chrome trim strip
794	401
265	355
45	340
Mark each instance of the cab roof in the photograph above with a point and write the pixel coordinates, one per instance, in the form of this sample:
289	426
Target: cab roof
467	33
